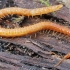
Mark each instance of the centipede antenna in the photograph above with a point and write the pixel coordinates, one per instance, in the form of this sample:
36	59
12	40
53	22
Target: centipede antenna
65	57
59	62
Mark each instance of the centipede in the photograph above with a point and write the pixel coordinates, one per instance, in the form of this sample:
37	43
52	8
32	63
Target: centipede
28	12
22	31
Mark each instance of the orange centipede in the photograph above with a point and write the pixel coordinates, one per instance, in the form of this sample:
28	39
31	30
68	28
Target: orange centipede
28	12
34	28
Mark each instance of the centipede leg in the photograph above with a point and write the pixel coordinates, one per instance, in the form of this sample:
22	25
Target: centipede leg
48	31
28	16
32	16
67	56
35	35
68	38
41	15
59	35
30	36
43	31
53	33
0	18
